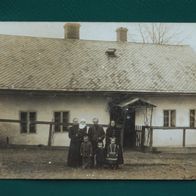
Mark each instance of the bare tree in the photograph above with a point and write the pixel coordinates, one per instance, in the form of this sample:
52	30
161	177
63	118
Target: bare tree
159	33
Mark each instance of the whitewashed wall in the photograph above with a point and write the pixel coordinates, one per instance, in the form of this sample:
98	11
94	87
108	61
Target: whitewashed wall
182	105
88	107
81	107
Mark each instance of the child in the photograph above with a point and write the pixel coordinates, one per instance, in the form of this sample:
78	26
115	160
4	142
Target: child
99	154
86	152
112	153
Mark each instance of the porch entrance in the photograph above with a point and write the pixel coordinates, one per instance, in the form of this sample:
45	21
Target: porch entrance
129	135
124	115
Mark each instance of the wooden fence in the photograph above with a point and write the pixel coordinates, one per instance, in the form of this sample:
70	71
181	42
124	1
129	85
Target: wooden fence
50	123
144	134
43	122
152	129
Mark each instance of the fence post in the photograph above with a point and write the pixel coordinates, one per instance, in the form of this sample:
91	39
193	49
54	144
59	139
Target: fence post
143	137
50	135
151	137
184	137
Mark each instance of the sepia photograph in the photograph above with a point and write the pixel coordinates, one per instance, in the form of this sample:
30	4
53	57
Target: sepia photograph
97	100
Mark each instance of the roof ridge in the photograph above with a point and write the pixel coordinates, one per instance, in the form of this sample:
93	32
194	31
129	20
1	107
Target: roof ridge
109	41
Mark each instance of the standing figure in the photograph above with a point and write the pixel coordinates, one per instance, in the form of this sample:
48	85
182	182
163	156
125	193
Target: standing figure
82	133
100	154
112	153
76	135
86	152
95	134
113	131
83	127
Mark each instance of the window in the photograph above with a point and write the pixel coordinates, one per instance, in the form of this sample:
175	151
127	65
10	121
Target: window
27	118
169	118
32	118
23	124
192	118
61	117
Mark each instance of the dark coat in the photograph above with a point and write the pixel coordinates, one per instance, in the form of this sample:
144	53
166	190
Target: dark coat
86	152
95	133
76	135
115	132
100	154
86	149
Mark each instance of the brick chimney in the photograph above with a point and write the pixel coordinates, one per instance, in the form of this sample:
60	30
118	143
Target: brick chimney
72	31
121	34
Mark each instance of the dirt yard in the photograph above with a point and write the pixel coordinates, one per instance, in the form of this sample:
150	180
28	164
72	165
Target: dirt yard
41	163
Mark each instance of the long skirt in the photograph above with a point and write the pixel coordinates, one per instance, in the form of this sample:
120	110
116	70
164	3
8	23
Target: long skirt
74	157
100	157
120	154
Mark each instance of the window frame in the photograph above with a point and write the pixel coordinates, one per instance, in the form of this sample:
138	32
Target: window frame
170	120
28	122
23	122
166	124
61	120
194	120
32	125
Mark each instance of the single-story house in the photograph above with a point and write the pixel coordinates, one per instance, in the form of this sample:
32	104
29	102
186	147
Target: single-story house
145	88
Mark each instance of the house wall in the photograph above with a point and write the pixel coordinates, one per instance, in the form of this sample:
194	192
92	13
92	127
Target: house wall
89	107
172	137
80	107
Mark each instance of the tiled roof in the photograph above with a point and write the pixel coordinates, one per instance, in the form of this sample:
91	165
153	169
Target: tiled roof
79	65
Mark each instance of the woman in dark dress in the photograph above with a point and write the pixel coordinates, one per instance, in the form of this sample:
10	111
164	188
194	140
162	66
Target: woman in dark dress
76	134
113	131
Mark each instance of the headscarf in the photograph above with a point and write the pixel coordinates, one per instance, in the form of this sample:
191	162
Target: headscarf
82	124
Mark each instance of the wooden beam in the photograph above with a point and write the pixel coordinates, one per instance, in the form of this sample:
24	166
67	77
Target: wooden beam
151	137
143	137
43	122
166	128
184	137
10	120
50	136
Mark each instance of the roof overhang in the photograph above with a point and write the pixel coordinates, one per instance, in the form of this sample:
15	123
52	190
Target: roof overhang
136	103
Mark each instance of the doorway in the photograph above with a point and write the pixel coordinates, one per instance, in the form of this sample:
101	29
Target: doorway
129	135
125	120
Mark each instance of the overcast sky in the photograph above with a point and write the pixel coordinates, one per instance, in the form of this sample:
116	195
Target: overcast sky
93	31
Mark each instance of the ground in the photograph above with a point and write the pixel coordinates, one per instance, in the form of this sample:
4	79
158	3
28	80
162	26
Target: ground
44	163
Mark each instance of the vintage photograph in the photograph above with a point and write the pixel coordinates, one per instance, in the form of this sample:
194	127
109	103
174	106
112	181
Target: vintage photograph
83	100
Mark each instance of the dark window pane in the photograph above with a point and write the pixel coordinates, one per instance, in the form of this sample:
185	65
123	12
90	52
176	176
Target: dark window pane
65	120
32	118
166	118
57	120
23	124
173	118
192	118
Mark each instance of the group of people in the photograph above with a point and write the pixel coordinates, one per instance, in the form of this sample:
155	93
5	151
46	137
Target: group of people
87	149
